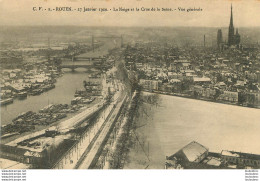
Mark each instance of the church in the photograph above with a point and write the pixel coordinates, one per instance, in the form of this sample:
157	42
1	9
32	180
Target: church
233	38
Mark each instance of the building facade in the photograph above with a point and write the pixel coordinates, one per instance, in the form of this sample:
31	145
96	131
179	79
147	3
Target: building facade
241	159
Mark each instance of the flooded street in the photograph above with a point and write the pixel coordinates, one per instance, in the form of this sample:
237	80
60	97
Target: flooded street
165	128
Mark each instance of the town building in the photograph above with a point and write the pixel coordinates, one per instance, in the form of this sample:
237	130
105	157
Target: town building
253	98
196	156
240	160
229	96
190	156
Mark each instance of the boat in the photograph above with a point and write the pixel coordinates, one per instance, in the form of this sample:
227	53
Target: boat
22	95
94	76
48	87
81	93
88	101
45	88
6	101
52	86
36	92
76	100
46	108
9	135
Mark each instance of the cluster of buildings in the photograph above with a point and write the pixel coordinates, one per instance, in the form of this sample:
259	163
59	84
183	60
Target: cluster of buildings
30	70
29	79
10	57
230	75
195	155
57	143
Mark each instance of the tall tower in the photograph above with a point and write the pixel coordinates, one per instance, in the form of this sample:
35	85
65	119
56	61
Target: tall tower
231	30
219	38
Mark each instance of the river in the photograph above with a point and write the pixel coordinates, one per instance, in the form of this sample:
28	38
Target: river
165	128
63	92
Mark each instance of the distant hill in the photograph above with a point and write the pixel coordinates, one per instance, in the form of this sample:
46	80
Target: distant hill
178	35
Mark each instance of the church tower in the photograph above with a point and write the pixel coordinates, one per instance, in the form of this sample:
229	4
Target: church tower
233	39
231	30
219	40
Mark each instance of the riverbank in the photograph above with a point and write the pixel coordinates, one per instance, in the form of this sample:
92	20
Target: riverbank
42	127
63	93
29	80
43	118
118	144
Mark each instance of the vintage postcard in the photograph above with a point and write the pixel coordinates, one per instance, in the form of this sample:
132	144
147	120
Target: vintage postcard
130	84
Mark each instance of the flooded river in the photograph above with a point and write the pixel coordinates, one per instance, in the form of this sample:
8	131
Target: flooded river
62	93
165	128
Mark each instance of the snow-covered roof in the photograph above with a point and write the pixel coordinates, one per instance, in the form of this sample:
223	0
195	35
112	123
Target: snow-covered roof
193	150
220	84
174	80
228	153
214	161
201	79
32	154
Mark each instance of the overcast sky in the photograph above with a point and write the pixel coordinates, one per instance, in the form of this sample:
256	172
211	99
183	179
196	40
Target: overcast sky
215	13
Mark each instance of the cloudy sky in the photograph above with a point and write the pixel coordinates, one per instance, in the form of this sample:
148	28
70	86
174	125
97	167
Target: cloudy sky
215	13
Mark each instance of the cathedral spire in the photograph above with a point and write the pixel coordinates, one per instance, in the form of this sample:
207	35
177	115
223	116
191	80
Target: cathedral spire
231	18
231	39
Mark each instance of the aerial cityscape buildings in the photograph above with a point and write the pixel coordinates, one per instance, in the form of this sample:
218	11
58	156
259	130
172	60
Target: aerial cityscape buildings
110	97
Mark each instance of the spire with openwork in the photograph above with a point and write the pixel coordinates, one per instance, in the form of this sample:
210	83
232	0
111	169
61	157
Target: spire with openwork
231	37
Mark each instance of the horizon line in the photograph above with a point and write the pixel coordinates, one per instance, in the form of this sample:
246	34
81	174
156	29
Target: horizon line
137	26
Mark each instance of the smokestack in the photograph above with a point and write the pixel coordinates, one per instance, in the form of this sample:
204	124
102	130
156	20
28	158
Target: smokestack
204	40
121	41
93	45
